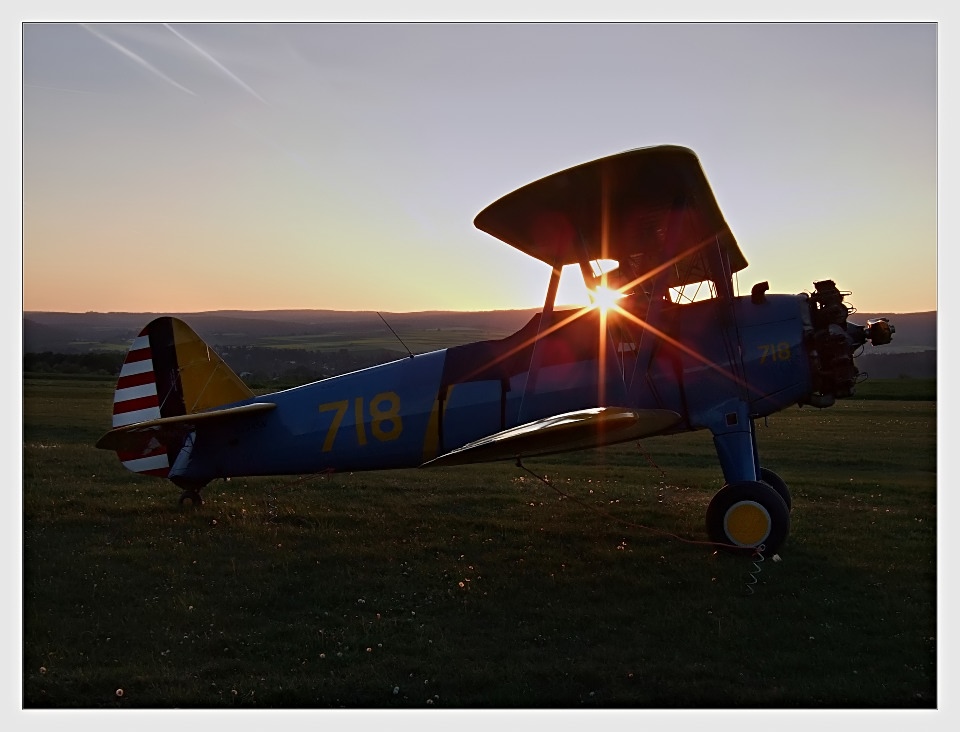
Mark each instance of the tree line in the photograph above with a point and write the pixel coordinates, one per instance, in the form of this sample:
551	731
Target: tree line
104	363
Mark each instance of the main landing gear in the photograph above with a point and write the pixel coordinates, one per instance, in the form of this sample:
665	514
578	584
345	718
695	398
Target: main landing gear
749	514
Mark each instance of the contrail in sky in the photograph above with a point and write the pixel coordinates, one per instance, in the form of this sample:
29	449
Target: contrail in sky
214	61
141	61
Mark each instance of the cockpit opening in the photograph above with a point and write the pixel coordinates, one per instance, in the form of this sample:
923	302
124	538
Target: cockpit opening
693	292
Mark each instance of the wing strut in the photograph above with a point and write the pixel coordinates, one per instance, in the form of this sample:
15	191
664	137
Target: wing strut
606	345
536	356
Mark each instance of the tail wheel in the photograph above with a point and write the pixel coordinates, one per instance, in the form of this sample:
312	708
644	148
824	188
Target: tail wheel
190	491
776	482
747	515
191	498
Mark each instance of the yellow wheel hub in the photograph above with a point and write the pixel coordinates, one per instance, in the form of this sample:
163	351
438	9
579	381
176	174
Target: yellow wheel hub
747	523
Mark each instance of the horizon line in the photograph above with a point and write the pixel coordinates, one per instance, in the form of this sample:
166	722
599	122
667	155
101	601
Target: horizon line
393	312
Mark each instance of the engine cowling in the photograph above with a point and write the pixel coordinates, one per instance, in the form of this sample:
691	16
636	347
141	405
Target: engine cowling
832	341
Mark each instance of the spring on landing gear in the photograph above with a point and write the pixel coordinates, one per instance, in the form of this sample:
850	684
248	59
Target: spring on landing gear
832	341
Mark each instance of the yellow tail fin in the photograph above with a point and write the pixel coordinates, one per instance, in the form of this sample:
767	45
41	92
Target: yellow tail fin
169	372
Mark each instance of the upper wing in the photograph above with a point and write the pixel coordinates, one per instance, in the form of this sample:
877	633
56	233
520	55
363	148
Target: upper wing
561	433
652	206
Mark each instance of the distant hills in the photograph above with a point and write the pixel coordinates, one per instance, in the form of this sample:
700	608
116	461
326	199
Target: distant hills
913	352
321	342
85	332
266	346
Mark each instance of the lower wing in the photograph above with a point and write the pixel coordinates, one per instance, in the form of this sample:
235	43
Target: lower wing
561	433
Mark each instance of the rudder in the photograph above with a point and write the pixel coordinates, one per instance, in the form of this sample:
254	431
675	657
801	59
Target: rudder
169	371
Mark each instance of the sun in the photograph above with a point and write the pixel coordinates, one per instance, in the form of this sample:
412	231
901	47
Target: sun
604	298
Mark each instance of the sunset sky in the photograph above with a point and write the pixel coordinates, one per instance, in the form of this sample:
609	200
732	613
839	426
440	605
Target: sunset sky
178	167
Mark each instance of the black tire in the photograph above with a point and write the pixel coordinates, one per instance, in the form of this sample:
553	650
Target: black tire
746	515
776	482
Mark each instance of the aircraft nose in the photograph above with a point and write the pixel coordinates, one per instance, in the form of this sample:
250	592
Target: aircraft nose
832	342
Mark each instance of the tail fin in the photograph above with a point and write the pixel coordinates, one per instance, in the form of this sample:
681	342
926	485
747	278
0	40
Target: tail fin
169	372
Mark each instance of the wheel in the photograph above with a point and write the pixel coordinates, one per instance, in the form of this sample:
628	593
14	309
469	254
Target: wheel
747	515
192	497
776	482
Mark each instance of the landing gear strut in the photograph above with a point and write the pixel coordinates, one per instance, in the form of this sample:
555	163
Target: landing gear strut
753	508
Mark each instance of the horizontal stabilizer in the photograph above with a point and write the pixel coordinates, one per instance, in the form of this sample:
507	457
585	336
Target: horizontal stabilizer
123	438
560	433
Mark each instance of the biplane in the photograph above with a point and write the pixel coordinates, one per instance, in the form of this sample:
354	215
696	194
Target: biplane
667	346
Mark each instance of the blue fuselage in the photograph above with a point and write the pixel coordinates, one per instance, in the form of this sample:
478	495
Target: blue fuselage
695	359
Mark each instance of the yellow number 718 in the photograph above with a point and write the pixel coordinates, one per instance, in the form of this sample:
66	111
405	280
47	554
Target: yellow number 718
774	352
385	421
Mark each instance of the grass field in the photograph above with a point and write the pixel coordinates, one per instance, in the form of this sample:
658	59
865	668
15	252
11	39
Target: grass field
482	586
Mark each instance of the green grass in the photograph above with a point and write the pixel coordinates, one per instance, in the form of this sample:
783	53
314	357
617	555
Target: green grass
482	586
902	389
